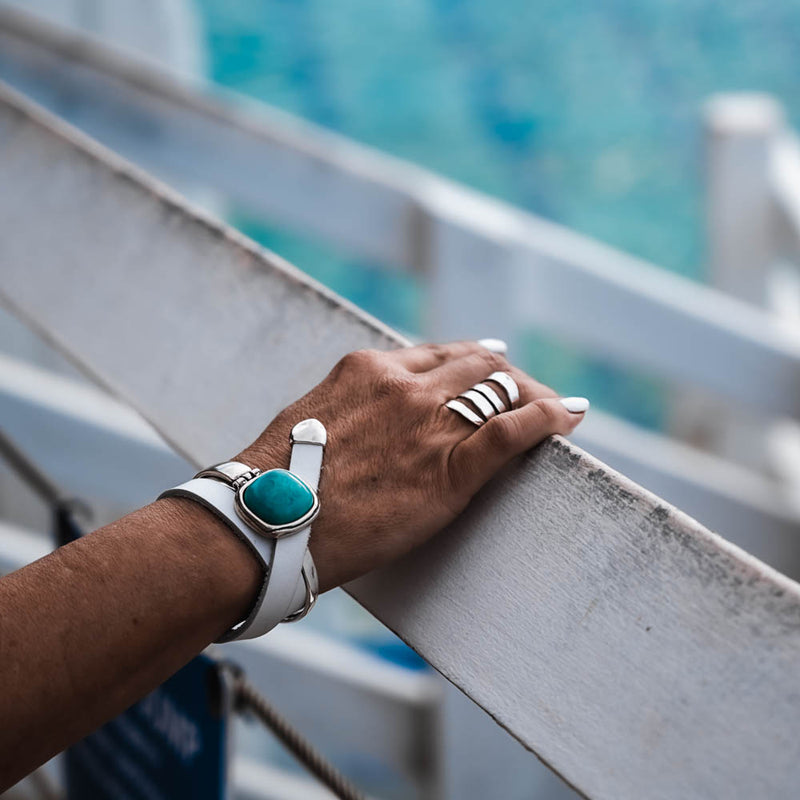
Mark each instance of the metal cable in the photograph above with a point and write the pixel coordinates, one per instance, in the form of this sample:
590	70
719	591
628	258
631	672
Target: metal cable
68	512
28	471
246	696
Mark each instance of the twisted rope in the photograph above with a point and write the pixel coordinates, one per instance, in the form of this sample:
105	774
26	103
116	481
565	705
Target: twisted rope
246	696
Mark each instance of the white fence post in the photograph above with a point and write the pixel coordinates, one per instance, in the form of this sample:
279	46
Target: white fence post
469	273
742	249
741	130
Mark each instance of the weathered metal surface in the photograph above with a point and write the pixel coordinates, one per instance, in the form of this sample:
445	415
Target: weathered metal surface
634	651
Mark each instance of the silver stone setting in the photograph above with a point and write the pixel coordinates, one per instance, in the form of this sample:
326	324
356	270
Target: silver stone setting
264	528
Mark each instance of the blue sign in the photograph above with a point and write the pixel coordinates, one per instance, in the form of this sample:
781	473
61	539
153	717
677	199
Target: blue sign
168	746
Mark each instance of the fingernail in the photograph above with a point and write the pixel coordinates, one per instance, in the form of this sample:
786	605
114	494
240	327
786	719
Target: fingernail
495	345
575	405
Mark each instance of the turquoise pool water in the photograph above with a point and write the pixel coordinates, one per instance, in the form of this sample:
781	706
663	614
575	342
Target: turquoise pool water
587	113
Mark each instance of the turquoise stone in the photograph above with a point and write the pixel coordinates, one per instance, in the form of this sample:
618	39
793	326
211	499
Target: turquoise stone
278	497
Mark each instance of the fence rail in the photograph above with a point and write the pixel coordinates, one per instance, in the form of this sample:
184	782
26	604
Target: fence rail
490	266
634	651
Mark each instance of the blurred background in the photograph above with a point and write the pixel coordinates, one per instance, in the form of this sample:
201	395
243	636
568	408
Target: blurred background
662	130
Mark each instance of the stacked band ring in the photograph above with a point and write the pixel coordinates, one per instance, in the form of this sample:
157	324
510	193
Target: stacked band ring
485	400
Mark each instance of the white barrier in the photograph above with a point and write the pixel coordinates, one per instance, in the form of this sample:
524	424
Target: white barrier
637	653
492	268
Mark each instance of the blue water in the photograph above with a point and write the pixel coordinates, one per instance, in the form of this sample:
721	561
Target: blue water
587	113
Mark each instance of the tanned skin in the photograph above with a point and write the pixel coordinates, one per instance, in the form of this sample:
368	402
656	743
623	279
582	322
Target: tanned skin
91	628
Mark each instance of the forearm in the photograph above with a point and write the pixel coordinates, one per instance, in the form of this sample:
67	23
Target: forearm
91	628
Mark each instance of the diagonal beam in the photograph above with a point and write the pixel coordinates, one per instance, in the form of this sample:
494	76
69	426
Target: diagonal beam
518	270
637	653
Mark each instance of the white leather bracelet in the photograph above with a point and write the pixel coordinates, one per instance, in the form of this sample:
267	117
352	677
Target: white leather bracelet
308	442
290	583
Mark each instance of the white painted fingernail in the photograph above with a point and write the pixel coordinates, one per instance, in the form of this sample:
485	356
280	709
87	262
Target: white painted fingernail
575	405
495	345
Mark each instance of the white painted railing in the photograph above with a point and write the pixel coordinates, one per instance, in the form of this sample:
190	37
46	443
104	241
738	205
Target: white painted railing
753	210
96	447
754	202
634	651
489	266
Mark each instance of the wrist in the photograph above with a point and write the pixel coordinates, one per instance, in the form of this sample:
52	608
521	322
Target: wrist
269	451
270	510
223	567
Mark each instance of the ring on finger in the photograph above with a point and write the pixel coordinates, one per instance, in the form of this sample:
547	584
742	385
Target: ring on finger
508	384
492	396
485	408
463	410
485	400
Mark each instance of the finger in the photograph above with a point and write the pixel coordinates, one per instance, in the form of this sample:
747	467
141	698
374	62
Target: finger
481	455
425	357
459	374
462	418
529	388
495	345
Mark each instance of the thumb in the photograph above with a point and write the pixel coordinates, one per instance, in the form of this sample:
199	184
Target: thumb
507	435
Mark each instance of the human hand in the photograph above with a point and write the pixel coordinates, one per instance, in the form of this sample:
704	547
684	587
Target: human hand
399	466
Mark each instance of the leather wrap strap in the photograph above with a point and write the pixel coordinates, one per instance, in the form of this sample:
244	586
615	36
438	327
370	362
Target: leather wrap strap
283	591
285	581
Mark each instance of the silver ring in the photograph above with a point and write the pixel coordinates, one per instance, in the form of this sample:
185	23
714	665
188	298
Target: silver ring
508	383
485	408
467	413
492	396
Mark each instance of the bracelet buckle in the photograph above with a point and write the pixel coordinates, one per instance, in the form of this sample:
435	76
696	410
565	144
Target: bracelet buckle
231	472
